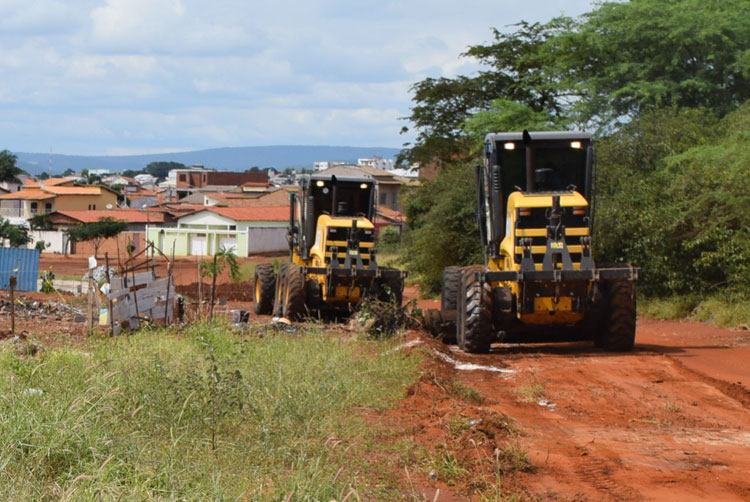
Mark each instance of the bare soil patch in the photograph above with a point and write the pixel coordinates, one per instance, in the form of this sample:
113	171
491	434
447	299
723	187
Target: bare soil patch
667	422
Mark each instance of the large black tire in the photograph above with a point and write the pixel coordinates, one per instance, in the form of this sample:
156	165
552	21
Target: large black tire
615	330
264	286
474	311
391	290
278	297
449	288
294	293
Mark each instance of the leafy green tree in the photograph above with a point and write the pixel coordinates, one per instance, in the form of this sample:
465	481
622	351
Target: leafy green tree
9	171
130	173
160	170
708	221
68	172
634	208
44	176
518	70
96	231
629	57
17	236
40	221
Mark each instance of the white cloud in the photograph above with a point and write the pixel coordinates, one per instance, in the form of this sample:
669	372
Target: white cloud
104	76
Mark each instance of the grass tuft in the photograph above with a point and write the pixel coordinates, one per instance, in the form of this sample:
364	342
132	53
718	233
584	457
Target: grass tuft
724	310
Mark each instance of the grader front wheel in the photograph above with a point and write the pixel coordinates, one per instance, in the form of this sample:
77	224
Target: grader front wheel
294	293
615	330
474	311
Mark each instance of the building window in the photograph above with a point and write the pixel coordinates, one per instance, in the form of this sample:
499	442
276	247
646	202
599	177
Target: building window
47	207
383	198
183	178
92	207
34	208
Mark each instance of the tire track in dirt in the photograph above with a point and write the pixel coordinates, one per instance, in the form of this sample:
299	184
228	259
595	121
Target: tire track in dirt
595	471
732	390
625	426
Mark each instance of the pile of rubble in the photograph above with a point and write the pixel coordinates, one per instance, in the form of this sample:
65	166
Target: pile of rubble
29	308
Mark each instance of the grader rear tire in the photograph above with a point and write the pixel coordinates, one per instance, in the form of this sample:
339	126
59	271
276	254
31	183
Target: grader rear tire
474	312
264	286
449	288
616	328
294	293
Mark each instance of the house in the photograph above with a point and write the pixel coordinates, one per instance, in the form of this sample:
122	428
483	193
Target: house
9	186
246	230
187	181
268	197
60	195
376	163
135	232
387	217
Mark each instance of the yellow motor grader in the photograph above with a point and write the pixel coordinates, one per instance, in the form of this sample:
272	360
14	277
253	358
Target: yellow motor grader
333	264
535	213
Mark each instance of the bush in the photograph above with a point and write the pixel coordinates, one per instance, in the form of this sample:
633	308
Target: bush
443	229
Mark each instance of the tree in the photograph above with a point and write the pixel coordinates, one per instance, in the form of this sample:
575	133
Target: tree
626	58
519	70
44	176
222	259
633	208
17	236
130	173
68	172
601	70
254	169
96	231
160	170
9	171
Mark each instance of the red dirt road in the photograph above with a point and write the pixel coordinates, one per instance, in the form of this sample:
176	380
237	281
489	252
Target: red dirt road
668	422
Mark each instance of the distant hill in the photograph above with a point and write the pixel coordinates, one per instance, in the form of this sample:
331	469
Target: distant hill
221	159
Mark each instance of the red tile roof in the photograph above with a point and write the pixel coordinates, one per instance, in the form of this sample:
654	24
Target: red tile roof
391	214
128	215
48	182
28	194
269	213
81	190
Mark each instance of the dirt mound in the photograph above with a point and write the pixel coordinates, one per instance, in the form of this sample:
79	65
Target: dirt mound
238	292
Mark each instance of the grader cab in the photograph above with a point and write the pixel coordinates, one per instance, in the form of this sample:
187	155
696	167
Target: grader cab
333	258
535	210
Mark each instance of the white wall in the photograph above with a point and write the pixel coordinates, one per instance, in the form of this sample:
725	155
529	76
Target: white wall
266	240
53	237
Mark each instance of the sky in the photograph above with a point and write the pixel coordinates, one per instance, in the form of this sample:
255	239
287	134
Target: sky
120	77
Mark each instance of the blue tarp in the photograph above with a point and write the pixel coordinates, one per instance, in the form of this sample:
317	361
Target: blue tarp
23	263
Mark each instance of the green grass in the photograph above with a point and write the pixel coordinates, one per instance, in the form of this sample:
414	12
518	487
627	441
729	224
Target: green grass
247	270
725	311
204	415
532	389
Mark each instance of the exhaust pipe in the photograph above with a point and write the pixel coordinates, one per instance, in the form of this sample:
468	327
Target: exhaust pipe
530	162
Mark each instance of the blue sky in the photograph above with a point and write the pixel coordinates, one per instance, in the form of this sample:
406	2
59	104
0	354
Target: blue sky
111	77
